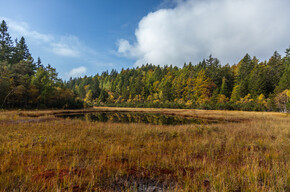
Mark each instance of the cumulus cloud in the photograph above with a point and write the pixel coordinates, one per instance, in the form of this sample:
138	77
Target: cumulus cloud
77	72
194	29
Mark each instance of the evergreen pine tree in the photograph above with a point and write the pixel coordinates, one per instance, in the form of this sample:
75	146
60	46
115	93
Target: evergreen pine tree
6	45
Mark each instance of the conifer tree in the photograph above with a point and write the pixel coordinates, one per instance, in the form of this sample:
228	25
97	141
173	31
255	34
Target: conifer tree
21	51
245	67
275	69
258	80
6	45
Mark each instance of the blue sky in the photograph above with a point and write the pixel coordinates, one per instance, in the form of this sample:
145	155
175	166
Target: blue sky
94	26
90	36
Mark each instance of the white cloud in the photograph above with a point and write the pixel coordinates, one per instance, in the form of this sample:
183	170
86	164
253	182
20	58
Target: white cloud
63	50
102	64
123	45
68	46
228	29
169	3
77	72
23	29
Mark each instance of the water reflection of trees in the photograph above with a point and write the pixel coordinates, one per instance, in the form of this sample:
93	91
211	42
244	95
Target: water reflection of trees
156	119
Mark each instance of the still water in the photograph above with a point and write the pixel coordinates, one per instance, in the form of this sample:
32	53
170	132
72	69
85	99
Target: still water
132	117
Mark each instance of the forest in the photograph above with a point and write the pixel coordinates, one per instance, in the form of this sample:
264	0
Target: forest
25	83
248	85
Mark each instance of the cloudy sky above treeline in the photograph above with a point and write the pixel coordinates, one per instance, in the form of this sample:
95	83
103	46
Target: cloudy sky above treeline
87	37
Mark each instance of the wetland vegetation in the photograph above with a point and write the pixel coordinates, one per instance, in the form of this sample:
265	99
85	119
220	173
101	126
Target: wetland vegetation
135	149
244	151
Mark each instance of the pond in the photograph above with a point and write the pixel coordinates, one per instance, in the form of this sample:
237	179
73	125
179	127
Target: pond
133	117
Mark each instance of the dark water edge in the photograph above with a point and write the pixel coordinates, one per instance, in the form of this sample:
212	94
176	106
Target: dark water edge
133	117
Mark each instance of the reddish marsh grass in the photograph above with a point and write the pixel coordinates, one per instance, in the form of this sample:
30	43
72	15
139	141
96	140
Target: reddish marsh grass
74	155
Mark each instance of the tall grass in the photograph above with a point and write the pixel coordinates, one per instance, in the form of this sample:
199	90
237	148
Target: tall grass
74	155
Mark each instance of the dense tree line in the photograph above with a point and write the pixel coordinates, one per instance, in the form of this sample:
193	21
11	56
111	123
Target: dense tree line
28	84
248	85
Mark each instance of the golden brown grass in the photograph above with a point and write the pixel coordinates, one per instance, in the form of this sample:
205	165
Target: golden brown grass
74	155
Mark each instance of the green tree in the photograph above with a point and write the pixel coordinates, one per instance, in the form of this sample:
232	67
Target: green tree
275	69
213	70
21	51
227	80
95	88
245	66
258	80
45	81
284	82
103	96
5	85
6	45
39	63
42	82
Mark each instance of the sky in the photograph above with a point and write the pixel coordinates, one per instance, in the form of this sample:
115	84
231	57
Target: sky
88	37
